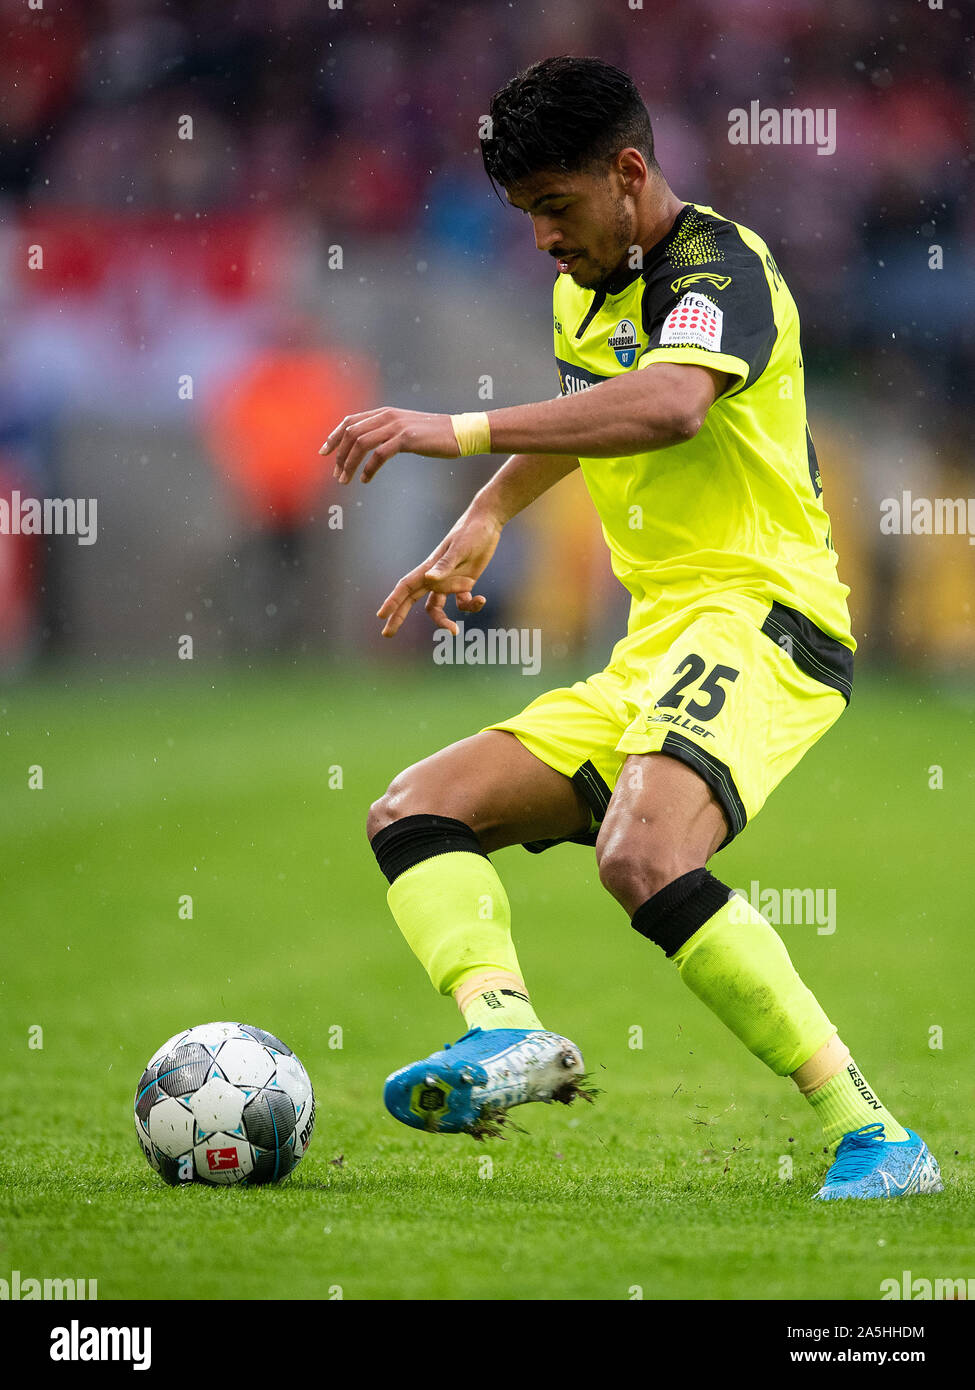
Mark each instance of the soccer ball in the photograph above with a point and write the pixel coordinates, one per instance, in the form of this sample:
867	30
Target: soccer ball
224	1103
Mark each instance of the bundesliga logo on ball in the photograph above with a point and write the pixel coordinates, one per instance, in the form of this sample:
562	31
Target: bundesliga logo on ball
224	1103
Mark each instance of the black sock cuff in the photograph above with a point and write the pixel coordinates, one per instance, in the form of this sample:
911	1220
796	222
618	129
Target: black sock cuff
409	841
673	915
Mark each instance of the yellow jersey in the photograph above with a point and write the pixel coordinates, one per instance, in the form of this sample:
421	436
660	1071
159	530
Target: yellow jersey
738	509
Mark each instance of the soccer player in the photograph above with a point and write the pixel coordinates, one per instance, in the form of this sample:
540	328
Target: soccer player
677	345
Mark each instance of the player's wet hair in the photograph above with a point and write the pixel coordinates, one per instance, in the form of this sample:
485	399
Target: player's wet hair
572	114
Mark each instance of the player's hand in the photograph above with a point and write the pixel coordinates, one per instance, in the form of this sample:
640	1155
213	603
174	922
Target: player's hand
453	568
379	434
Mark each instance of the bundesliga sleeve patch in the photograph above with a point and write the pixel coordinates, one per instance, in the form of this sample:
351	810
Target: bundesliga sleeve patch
693	322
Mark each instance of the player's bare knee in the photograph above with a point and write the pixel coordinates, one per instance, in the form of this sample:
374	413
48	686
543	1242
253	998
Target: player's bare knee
632	871
393	805
411	793
378	818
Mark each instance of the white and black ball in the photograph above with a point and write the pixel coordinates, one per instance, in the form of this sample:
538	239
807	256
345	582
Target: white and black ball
224	1103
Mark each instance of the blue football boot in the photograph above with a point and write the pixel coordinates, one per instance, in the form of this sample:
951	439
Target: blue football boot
868	1165
471	1084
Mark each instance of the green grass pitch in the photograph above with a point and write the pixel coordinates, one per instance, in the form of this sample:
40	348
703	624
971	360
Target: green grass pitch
674	1185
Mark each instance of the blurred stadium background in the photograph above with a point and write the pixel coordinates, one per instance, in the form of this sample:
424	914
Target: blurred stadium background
206	310
208	307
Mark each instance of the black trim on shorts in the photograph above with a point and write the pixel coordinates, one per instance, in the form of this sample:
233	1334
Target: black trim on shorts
717	775
595	793
817	655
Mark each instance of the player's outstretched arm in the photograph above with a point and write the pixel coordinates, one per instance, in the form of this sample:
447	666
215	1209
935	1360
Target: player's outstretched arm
659	405
465	552
662	404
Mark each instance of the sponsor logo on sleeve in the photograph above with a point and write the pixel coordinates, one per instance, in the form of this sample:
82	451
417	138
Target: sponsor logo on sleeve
694	321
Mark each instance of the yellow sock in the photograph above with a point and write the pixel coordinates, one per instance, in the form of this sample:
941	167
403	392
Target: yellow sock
846	1102
740	968
455	915
495	999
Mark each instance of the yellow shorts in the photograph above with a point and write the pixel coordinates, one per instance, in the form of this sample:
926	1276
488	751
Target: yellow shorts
738	689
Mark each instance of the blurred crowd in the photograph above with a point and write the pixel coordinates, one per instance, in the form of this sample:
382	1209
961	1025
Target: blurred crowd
349	126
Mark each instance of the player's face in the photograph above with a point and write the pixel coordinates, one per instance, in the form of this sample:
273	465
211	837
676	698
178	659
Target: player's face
584	222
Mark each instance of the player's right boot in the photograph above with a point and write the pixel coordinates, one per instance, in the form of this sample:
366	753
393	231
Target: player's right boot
470	1085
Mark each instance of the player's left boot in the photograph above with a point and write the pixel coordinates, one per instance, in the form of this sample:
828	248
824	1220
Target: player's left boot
471	1084
868	1165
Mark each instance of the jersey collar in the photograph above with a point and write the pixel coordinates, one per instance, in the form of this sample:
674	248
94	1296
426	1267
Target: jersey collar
622	279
